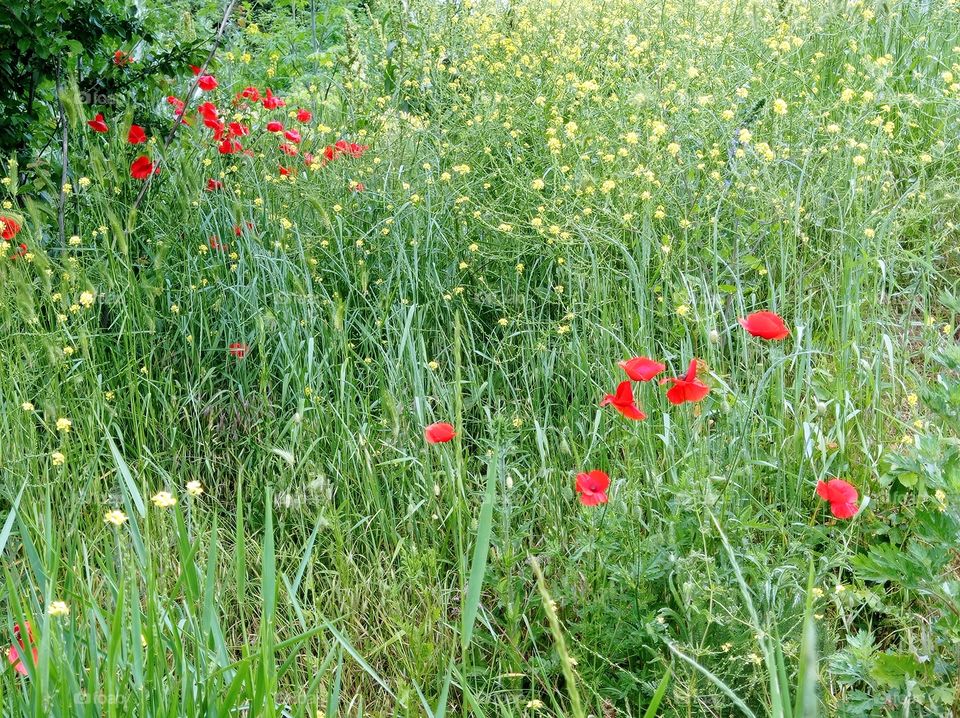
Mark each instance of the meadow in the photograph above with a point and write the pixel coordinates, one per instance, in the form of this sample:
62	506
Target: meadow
316	378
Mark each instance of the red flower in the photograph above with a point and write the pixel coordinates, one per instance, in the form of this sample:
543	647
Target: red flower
357	187
270	102
136	135
284	171
304	115
292	135
592	487
142	167
195	69
208	111
439	433
765	325
623	402
9	228
177	105
239	350
207	82
238	130
229	147
841	495
274	126
686	388
213	185
216	244
238	228
120	58
21	251
289	149
97	124
641	368
250	93
16	651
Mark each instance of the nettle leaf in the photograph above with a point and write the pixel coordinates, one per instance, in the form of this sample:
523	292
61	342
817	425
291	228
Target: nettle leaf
886	562
893	669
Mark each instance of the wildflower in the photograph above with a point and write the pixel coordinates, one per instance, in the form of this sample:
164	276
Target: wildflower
87	298
274	126
641	368
207	83
194	488
141	168
15	652
136	135
780	106
163	500
115	517
213	185
64	425
765	325
238	350
97	124
623	402
58	609
304	115
57	458
9	228
439	433
592	487
841	495
270	102
537	184
687	387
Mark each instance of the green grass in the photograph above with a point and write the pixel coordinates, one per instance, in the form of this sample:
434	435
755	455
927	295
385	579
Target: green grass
337	563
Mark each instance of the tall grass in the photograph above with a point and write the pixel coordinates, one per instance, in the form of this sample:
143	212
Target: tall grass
337	563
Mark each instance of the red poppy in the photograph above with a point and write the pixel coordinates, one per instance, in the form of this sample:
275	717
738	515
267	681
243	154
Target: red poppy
213	185
229	147
195	70
238	228
641	368
239	350
686	388
304	115
21	251
592	487
176	103
292	135
142	167
16	652
238	130
623	402
97	124
439	433
289	149
765	325
207	83
208	111
250	93
120	58
216	244
357	187
136	135
9	228
274	126
284	171
841	495
270	102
